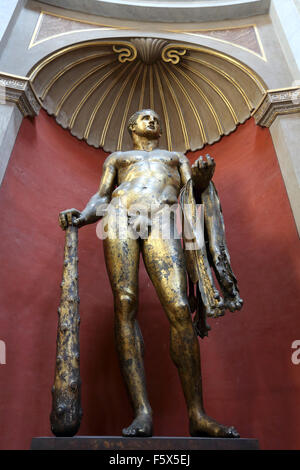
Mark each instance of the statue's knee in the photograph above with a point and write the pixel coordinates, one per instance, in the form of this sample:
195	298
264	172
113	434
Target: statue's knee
125	303
180	314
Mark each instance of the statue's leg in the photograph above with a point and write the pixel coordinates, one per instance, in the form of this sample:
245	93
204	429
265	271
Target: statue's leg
122	261
164	261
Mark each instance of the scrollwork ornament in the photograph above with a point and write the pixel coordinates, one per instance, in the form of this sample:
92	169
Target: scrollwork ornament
126	52
172	54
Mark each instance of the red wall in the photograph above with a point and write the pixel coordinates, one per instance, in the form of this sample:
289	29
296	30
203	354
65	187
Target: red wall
249	379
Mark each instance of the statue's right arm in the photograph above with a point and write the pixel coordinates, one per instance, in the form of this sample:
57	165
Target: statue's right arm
96	205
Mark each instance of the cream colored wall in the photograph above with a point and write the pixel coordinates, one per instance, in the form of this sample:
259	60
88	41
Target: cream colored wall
285	133
18	59
167	10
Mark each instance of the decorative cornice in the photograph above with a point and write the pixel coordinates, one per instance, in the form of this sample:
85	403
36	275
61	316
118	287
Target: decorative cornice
276	102
18	90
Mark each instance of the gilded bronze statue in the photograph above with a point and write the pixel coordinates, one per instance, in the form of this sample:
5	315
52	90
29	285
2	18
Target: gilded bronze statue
152	178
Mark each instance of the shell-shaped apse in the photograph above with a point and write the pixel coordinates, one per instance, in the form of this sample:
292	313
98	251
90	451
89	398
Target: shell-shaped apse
92	88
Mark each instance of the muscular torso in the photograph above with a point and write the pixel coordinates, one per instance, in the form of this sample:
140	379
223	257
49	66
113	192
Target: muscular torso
147	178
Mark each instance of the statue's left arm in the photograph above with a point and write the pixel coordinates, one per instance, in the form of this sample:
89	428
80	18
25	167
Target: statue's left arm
194	180
205	193
199	188
217	247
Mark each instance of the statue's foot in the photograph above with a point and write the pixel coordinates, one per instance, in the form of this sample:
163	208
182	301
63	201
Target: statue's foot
205	426
141	426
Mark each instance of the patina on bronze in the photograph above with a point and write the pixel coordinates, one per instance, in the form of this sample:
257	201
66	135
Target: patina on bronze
142	177
66	410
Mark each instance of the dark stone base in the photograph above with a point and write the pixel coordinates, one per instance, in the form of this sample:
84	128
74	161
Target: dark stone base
141	443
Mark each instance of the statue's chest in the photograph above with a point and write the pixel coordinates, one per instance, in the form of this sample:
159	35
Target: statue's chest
147	159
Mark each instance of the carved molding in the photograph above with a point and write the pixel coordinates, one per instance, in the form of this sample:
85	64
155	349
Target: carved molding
173	54
18	90
93	87
149	49
52	25
125	52
276	102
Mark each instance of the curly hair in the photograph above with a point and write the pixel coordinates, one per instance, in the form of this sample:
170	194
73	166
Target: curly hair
133	118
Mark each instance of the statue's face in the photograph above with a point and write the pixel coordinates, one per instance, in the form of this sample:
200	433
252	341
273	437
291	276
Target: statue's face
147	125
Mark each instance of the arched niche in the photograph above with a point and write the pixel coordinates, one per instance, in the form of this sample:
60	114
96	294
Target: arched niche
92	88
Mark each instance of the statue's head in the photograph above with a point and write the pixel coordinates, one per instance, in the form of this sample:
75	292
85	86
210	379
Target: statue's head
145	123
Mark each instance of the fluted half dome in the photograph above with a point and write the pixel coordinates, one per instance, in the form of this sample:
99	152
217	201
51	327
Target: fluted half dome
92	88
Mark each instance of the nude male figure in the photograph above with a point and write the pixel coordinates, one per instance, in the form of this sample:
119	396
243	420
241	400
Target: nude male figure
144	176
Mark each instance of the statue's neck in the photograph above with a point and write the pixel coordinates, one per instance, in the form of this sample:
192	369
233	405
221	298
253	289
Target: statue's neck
143	143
